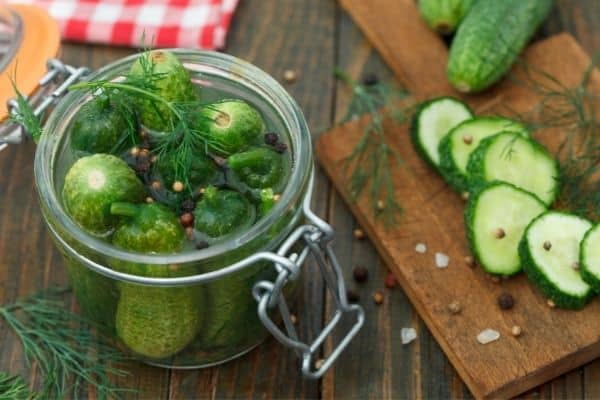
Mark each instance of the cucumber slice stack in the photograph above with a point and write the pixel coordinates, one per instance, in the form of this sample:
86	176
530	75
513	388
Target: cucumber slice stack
463	139
550	256
433	121
509	157
589	258
496	218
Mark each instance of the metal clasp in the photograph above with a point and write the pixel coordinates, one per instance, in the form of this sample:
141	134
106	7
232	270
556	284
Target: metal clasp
60	74
316	237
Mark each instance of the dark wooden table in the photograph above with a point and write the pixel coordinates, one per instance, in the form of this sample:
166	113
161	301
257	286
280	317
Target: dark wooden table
310	37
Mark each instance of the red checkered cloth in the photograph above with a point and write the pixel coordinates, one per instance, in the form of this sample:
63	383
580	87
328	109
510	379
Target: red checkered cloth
164	23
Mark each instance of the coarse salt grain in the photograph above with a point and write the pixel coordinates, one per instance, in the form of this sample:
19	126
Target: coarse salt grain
408	335
441	260
487	336
421	248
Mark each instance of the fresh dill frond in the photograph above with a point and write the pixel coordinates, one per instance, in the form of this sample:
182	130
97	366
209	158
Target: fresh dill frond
373	159
63	346
573	111
25	115
13	387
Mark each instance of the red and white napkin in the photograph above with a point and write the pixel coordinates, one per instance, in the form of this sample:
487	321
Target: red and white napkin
164	23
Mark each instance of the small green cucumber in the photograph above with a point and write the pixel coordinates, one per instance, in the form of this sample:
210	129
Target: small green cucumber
589	258
443	16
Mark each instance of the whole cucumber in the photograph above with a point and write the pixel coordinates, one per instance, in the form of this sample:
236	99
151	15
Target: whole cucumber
443	16
489	40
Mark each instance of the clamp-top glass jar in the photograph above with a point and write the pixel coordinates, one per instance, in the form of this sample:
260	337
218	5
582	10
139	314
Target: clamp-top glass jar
207	298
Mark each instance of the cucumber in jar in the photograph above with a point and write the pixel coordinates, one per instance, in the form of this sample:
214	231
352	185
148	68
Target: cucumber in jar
153	322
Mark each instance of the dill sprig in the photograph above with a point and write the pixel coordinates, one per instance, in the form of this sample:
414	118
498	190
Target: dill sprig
25	115
13	387
63	346
372	159
573	111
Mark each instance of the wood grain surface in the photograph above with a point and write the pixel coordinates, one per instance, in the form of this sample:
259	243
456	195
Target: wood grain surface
309	36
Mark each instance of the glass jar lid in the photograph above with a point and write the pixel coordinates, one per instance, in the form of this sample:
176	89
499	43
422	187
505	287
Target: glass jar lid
29	37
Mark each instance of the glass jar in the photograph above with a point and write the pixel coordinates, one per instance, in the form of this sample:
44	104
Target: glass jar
204	307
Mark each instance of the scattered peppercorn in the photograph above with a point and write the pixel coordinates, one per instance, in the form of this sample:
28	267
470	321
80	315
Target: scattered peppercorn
378	297
187	219
352	296
506	301
370	79
500	233
390	281
144	153
142	166
359	234
134	151
360	274
470	261
271	138
293	318
465	196
319	363
149	200
280	147
153	159
276	197
547	245
177	186
202	244
155	185
380	205
516	331
290	76
550	303
145	145
454	307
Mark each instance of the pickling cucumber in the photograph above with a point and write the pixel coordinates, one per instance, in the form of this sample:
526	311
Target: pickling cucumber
495	218
463	139
443	16
489	40
549	253
511	158
433	120
589	258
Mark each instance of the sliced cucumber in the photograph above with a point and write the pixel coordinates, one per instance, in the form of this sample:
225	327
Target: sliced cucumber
463	139
496	217
549	253
509	157
434	119
589	258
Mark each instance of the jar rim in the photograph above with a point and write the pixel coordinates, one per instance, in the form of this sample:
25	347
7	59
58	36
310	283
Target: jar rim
232	67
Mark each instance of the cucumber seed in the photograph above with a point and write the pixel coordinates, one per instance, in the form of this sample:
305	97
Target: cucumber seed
468	139
500	233
547	245
575	266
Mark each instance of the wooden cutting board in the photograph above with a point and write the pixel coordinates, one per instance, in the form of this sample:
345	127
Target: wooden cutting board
553	341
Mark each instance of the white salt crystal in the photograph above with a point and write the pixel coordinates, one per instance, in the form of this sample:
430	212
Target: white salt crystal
487	336
408	335
421	248
441	260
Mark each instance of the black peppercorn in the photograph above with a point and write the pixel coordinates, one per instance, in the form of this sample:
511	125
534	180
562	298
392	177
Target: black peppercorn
506	301
352	296
360	273
370	79
187	206
202	244
280	147
271	138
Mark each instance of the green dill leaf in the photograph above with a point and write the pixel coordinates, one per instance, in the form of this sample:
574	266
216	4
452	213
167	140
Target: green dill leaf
25	115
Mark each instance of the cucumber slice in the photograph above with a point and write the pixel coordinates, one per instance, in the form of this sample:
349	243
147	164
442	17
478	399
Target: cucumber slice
549	253
434	119
495	218
589	258
463	139
511	158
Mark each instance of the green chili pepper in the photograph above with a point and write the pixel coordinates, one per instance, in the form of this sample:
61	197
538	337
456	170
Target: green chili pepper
258	167
221	212
152	321
95	182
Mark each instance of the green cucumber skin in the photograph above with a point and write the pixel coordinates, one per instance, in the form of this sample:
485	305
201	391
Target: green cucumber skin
443	16
590	278
469	216
414	129
489	40
476	169
535	275
448	168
